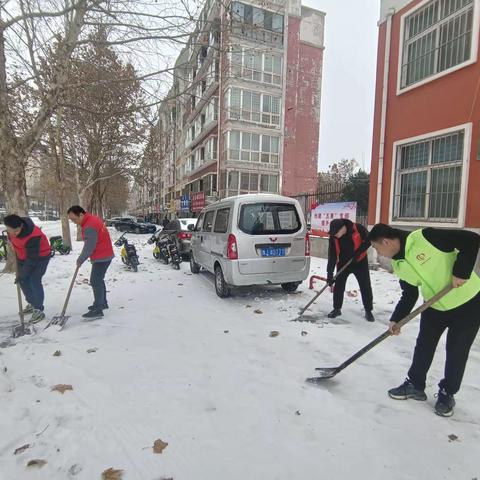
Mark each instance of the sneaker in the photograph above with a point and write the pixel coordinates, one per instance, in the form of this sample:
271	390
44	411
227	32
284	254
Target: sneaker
28	309
336	312
93	314
407	390
445	403
104	307
37	316
369	316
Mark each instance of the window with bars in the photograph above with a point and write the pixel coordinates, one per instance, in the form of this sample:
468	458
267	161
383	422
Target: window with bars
253	107
436	37
251	147
251	64
428	179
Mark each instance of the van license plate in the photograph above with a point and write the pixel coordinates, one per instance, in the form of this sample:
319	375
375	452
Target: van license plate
273	252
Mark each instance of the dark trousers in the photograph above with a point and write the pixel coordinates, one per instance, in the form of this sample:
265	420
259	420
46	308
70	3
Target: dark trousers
362	274
97	281
31	284
462	324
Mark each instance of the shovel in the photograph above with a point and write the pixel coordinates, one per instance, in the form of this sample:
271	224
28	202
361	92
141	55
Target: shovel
62	319
307	306
325	373
22	329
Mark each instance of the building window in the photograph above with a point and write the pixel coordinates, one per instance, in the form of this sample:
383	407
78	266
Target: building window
253	107
256	65
437	37
247	182
251	147
429	178
257	24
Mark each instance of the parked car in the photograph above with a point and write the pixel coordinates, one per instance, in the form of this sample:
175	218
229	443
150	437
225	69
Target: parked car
110	222
256	239
127	224
183	235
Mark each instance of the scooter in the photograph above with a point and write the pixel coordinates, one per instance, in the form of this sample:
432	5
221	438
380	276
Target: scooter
57	245
3	245
158	254
128	253
166	249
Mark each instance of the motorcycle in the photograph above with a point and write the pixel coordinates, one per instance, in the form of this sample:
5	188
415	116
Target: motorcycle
165	249
57	245
3	245
128	253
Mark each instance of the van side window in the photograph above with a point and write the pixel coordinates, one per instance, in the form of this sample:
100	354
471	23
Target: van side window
221	220
208	222
199	224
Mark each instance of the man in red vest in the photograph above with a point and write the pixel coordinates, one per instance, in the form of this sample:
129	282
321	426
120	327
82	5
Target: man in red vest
98	247
349	240
32	250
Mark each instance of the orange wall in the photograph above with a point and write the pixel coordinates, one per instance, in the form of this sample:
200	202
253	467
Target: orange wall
446	102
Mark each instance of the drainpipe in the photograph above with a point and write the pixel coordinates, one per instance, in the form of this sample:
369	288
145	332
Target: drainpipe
381	153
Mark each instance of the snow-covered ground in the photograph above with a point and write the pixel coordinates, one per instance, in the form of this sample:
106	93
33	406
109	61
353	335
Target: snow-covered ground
172	361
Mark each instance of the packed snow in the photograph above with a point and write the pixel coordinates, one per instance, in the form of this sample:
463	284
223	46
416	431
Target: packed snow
173	363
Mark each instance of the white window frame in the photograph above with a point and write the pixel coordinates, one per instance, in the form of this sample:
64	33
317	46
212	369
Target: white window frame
474	54
467	149
244	51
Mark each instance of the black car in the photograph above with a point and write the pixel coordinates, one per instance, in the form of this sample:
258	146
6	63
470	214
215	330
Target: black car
132	226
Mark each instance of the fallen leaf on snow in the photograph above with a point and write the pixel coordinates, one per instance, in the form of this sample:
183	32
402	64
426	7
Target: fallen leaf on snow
21	449
297	412
180	284
112	474
36	463
159	446
352	293
57	353
274	333
304	333
452	438
61	387
225	331
92	350
258	311
248	306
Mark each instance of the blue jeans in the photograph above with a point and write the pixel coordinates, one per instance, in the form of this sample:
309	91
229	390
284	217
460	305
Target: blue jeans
97	277
31	284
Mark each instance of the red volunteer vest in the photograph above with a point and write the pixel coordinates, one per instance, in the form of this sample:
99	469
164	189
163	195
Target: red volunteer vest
104	247
357	241
19	244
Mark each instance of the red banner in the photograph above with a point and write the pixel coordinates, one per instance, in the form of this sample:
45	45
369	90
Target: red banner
198	201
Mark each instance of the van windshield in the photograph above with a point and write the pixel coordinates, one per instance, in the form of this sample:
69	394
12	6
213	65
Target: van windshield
269	218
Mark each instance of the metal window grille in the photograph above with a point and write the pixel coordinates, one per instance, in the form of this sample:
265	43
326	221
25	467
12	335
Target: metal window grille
436	37
428	179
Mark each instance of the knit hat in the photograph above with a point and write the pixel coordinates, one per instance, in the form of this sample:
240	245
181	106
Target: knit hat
13	221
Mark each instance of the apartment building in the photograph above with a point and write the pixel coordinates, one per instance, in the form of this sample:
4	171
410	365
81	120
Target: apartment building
426	136
243	113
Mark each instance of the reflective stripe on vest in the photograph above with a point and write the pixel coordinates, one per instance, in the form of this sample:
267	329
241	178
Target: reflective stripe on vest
357	242
430	269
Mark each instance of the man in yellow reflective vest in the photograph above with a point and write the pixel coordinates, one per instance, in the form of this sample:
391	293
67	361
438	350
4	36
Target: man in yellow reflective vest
429	259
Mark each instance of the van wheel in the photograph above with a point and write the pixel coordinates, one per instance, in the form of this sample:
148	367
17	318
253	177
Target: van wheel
290	287
221	287
194	266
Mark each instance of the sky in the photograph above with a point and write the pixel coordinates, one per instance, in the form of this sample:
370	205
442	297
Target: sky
348	83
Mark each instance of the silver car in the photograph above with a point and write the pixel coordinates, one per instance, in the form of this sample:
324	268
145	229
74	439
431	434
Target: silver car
256	239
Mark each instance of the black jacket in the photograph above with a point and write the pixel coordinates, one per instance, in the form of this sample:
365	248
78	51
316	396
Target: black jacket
346	247
467	243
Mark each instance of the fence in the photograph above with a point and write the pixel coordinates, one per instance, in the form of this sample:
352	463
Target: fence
330	193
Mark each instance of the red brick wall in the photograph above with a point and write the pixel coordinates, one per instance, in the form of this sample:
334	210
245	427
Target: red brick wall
302	113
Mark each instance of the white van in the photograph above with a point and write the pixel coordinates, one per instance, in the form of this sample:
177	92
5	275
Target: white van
256	239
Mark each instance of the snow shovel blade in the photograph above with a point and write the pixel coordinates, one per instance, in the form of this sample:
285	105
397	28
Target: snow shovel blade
323	374
21	330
